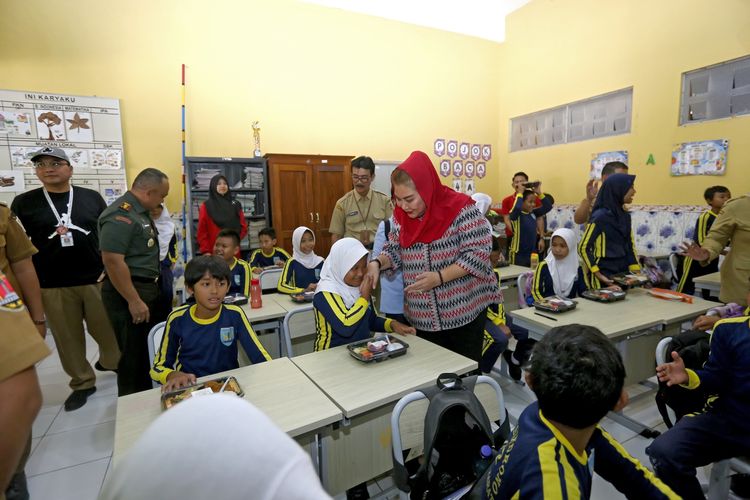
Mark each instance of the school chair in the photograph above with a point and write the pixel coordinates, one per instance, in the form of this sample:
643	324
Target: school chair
154	341
662	357
407	420
269	279
674	260
524	288
299	324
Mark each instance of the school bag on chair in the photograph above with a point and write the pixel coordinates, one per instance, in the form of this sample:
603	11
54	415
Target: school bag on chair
693	347
455	429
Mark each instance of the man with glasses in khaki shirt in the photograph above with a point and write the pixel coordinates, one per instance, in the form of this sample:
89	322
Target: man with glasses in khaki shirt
358	213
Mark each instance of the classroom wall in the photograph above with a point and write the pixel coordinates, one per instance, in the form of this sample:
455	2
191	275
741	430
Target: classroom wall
562	51
320	80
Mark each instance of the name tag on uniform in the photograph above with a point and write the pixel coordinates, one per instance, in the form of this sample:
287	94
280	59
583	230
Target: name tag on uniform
352	213
66	240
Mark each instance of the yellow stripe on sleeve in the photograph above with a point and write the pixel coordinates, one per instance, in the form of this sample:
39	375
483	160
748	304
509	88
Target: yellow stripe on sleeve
158	371
348	317
286	280
552	481
536	283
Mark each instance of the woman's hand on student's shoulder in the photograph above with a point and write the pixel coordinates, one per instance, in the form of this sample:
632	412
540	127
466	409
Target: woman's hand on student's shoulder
673	373
178	380
403	329
373	272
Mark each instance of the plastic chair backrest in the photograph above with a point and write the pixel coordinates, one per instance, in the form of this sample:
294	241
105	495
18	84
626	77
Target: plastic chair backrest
487	390
269	279
673	261
524	287
155	337
661	350
297	324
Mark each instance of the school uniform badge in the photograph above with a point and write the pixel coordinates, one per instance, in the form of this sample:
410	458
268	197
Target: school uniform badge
9	299
236	279
227	335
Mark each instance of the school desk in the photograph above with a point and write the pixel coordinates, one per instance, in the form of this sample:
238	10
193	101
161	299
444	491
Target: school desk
710	282
277	387
360	448
267	321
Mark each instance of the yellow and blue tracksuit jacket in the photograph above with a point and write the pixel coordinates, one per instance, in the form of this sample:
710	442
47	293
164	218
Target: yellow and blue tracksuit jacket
259	259
337	324
524	228
239	280
295	277
538	463
542	285
604	249
205	346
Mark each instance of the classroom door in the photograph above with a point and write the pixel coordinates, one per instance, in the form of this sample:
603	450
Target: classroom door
330	182
291	200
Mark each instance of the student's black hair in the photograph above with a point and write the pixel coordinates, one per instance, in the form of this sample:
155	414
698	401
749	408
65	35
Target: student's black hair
495	244
610	167
267	231
522	174
198	266
230	233
577	375
527	193
710	192
364	162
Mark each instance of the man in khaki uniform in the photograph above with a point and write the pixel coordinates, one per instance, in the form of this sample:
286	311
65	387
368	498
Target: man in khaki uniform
21	347
358	213
129	243
732	224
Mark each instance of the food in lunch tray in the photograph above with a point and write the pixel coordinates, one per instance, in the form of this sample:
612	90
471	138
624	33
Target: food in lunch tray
377	346
363	352
630	279
209	386
604	294
555	304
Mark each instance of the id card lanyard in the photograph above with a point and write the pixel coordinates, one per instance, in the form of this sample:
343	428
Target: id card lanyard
64	222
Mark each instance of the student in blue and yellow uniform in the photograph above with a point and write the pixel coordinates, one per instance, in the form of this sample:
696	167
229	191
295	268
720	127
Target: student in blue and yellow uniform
201	339
302	272
268	255
342	299
577	375
559	273
722	429
716	197
523	219
227	245
607	247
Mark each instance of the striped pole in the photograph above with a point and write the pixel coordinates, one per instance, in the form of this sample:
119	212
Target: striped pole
185	208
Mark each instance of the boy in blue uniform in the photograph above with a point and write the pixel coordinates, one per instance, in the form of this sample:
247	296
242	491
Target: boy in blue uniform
201	339
721	430
227	245
523	219
268	255
342	299
716	197
577	376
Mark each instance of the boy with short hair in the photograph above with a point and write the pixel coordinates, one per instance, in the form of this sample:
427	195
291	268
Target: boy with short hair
577	375
201	339
524	219
268	255
519	178
716	197
226	246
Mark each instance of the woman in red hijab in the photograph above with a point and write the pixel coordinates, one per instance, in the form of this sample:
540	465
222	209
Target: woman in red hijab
442	243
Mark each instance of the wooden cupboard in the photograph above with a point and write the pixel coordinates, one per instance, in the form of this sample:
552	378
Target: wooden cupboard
303	192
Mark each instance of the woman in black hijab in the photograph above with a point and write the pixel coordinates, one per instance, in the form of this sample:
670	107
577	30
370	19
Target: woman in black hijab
219	212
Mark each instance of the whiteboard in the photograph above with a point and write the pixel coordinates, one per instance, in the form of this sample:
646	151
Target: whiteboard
87	128
383	170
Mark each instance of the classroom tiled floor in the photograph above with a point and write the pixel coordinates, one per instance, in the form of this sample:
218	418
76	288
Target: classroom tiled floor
71	451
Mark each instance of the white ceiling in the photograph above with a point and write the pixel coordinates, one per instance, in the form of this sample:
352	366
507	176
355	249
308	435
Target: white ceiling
479	18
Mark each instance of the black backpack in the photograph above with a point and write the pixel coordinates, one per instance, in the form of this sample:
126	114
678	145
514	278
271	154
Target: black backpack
693	347
455	429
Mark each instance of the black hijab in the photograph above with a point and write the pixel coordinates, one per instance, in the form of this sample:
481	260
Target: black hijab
223	210
609	201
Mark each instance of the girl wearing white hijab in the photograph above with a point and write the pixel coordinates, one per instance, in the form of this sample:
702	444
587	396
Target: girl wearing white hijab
342	299
559	274
218	446
301	273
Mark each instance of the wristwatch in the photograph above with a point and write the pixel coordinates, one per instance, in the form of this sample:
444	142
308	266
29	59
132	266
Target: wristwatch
42	321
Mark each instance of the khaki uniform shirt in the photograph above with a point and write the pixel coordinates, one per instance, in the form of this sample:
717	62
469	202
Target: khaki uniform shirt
125	227
732	224
355	214
14	244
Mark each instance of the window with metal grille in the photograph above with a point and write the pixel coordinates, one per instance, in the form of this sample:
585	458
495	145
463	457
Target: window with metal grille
717	91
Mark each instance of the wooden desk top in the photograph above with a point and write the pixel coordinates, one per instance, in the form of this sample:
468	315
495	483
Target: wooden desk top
512	272
709	279
277	387
637	312
357	387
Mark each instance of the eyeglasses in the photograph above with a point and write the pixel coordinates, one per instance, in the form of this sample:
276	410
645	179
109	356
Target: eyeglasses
356	178
50	164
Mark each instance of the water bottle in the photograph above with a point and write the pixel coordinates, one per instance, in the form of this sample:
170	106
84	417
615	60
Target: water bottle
255	294
484	460
534	260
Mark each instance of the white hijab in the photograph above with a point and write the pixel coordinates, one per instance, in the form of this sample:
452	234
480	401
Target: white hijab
564	271
483	202
345	253
309	260
165	226
218	446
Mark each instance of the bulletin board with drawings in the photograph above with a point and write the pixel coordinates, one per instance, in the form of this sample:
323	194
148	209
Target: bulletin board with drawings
87	128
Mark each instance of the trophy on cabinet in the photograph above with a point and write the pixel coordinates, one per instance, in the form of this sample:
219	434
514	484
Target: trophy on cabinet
256	138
